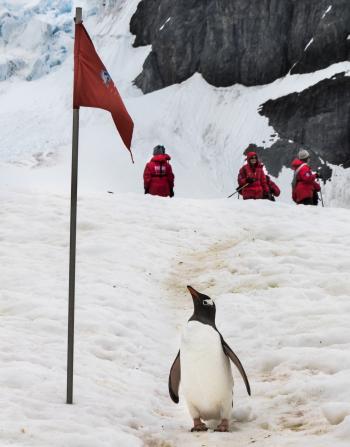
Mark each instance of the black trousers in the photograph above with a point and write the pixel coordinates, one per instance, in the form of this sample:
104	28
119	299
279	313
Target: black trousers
309	201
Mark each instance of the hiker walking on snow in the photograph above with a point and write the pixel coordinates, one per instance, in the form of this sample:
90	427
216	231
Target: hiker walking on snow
252	179
158	175
273	190
304	184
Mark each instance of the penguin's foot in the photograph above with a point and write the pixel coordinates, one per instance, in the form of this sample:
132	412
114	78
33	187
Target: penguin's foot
198	425
223	426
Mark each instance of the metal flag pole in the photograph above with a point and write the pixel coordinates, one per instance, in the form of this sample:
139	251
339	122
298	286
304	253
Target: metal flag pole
72	245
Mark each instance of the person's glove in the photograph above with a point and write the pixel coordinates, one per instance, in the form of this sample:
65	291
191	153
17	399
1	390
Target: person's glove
146	190
250	180
171	192
318	175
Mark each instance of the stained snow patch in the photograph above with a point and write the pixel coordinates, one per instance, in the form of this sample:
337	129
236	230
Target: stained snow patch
336	412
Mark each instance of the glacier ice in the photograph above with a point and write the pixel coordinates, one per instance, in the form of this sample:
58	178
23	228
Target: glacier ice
10	67
36	36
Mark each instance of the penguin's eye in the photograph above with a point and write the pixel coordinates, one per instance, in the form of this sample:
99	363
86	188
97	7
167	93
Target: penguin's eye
208	302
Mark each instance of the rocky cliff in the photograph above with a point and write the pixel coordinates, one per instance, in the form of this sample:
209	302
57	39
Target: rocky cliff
248	42
317	119
256	42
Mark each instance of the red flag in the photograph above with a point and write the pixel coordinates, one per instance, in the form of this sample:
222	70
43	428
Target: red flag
93	87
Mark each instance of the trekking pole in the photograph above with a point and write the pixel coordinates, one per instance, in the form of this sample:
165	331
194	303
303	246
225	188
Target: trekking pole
237	190
321	198
319	176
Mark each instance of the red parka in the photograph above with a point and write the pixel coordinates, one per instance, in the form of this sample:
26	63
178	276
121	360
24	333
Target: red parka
158	176
304	182
258	187
272	187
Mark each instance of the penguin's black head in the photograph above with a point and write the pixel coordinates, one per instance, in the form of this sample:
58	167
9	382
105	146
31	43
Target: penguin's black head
204	307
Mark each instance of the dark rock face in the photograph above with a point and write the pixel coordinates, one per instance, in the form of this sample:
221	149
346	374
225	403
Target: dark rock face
175	29
233	42
330	31
146	12
238	41
317	119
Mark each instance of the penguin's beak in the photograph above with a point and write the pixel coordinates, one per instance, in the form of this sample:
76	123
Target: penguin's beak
193	292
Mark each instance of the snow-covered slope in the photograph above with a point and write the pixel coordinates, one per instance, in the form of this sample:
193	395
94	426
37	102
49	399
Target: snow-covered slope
205	129
279	275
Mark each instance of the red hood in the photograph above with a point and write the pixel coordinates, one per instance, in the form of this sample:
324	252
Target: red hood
296	163
161	157
252	154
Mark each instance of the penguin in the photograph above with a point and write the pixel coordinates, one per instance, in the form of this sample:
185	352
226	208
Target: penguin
203	367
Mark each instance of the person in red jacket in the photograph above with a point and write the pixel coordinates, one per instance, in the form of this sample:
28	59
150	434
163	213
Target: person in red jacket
158	177
252	179
304	184
274	190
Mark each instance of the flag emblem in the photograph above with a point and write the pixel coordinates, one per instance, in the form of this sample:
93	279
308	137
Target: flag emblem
105	77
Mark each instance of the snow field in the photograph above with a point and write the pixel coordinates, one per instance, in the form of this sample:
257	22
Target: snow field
278	275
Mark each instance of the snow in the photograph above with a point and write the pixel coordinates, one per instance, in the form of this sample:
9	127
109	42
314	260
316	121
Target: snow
336	412
278	275
327	11
167	20
309	43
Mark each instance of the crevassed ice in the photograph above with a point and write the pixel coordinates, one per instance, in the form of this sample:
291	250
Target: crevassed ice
35	36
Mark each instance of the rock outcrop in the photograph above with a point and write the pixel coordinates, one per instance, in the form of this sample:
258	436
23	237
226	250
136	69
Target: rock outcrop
256	42
248	42
317	119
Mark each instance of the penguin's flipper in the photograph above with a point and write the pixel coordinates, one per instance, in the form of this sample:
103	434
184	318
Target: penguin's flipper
174	379
228	351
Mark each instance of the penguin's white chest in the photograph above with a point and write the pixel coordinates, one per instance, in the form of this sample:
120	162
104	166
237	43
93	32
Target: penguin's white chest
206	377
